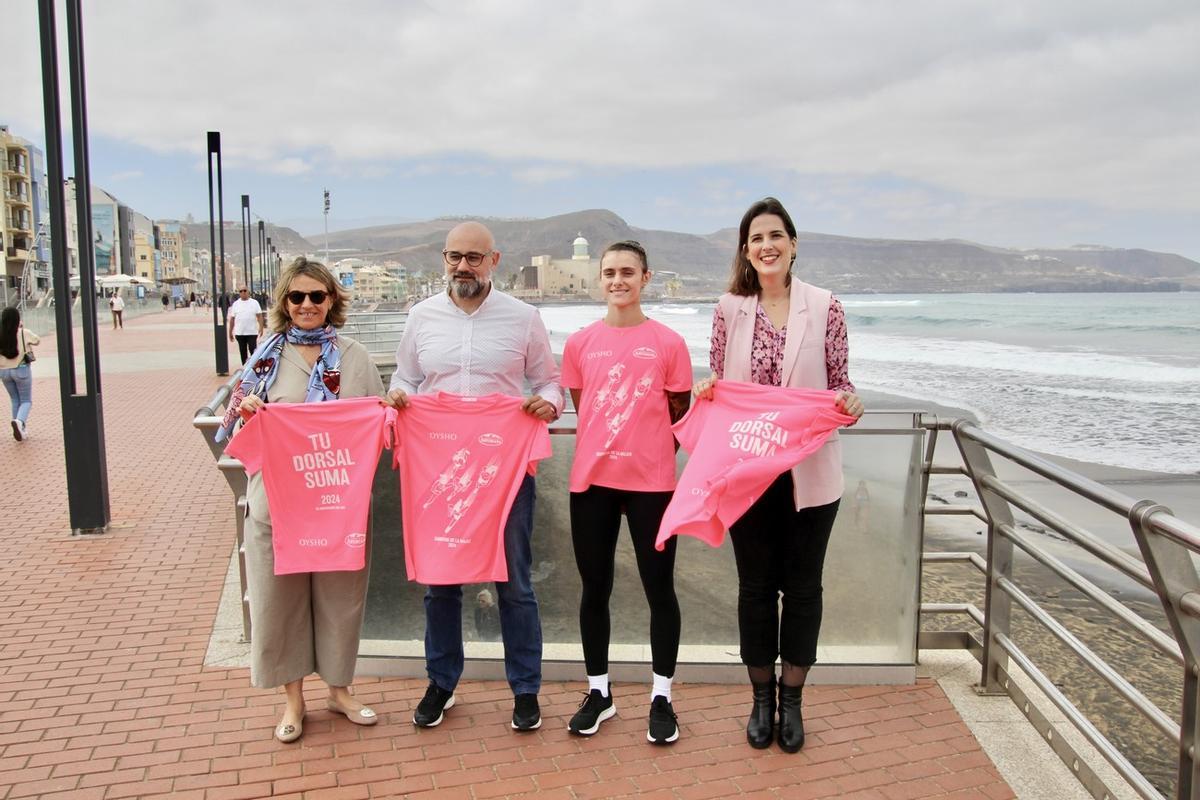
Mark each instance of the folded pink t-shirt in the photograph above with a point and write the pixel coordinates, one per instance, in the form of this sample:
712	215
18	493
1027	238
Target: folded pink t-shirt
461	461
317	461
739	442
624	438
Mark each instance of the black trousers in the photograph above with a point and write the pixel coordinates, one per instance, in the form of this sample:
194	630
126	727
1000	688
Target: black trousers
595	525
247	344
780	550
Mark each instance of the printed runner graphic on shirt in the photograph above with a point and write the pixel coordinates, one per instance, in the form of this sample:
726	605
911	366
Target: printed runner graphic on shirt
624	438
461	461
739	442
318	462
617	405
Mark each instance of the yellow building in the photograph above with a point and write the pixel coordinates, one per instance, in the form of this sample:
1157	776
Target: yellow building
574	278
16	225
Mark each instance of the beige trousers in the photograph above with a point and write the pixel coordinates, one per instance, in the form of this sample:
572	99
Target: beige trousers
302	623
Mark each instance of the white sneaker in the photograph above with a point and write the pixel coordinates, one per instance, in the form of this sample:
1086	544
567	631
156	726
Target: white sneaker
18	430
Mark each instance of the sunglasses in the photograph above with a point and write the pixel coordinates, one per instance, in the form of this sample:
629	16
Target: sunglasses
297	297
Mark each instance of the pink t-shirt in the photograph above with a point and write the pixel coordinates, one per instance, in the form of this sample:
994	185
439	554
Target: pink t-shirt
740	442
624	439
317	461
462	460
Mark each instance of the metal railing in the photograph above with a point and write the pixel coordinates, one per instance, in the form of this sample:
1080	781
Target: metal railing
378	331
1167	545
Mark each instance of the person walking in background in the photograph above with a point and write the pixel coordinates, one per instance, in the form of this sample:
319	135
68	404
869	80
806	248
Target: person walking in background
15	357
474	340
246	323
303	622
116	304
630	377
773	329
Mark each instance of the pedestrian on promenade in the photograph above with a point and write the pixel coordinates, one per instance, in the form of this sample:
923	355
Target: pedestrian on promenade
166	301
475	340
773	329
630	377
116	304
303	622
15	358
247	323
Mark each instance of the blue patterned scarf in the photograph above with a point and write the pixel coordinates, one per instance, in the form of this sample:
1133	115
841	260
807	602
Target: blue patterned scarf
261	369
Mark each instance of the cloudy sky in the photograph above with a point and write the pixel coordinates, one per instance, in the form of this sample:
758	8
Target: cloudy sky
1015	123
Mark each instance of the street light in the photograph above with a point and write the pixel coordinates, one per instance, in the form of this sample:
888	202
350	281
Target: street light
247	248
82	414
262	250
220	300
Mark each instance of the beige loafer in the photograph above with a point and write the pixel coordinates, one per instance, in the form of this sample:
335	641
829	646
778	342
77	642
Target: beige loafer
288	733
363	716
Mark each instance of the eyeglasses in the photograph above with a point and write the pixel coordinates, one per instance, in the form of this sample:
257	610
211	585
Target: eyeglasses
454	258
296	297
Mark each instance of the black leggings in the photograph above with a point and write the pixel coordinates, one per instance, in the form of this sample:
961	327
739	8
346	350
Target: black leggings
779	549
595	525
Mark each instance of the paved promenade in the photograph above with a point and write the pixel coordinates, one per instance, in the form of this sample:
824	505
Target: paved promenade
103	692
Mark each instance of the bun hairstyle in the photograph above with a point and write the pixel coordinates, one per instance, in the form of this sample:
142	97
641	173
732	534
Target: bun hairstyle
743	280
628	246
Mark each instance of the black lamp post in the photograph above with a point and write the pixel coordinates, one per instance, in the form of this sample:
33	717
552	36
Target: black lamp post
269	266
82	414
262	250
220	300
247	247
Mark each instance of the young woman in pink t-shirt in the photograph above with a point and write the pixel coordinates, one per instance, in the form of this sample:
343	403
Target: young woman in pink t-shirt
629	377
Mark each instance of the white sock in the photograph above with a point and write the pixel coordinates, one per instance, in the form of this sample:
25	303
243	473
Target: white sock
662	686
598	682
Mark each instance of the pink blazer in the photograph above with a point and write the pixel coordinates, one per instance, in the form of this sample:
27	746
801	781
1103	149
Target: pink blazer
817	479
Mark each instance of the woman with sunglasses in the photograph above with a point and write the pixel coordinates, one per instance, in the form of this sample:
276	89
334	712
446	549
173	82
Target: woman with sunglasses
304	622
629	378
773	329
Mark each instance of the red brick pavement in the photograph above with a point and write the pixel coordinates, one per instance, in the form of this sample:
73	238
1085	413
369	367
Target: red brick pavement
103	692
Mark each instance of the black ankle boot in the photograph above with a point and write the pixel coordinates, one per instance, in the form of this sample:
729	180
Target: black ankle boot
760	730
791	723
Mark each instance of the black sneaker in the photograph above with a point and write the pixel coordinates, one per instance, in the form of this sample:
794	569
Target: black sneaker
594	709
432	707
527	716
664	728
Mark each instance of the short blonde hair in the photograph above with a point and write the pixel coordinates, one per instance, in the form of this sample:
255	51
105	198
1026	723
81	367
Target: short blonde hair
279	319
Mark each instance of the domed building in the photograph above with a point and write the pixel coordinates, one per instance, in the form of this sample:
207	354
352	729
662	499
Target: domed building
574	278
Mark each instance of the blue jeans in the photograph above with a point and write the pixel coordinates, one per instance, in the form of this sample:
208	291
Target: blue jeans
19	383
520	623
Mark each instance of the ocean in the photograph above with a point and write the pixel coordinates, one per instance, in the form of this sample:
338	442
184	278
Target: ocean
1106	378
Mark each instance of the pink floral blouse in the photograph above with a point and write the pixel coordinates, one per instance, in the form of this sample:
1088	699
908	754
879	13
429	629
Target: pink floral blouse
766	357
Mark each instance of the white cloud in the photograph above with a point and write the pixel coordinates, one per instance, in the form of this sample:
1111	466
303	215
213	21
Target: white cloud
543	174
1086	100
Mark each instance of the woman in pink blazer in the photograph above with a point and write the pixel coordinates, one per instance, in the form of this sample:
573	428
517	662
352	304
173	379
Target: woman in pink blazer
773	329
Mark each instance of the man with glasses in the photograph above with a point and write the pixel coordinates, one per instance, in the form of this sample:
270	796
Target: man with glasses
245	323
475	340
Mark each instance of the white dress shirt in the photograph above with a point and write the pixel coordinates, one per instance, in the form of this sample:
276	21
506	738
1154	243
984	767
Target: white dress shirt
502	347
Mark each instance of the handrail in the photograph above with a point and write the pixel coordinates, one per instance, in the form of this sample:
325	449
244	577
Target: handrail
1168	545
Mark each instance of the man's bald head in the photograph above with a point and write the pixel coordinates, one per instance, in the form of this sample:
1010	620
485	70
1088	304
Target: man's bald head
475	233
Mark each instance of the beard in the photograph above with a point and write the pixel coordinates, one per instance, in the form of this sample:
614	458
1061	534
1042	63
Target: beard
467	289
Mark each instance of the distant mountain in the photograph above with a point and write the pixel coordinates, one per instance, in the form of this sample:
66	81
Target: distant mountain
285	240
842	263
